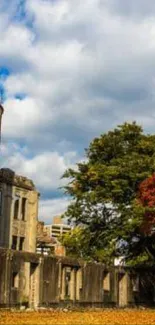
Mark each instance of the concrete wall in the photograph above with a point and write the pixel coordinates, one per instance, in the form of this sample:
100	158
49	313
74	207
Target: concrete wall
50	278
15	276
3	277
21	226
33	280
5	215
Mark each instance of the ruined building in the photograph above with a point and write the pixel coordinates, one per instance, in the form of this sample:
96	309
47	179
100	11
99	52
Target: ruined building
18	212
46	244
32	279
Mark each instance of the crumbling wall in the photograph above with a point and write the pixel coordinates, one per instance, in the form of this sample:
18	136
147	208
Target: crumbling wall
49	281
34	280
92	284
3	277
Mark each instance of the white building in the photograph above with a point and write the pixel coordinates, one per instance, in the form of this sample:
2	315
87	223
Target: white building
57	228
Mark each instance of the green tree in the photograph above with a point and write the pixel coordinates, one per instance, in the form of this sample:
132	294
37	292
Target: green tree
76	242
104	190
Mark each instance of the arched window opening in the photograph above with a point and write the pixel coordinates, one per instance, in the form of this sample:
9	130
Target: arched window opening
16	207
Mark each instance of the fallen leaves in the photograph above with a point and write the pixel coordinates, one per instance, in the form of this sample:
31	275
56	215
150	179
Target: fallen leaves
102	317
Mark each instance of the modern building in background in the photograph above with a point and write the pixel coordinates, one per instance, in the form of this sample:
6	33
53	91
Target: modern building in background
46	244
57	228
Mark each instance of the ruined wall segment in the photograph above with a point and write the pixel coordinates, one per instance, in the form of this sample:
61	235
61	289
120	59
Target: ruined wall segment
18	211
35	280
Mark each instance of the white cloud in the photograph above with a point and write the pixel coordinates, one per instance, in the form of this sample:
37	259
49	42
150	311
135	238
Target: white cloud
50	208
21	117
73	67
132	8
45	169
82	67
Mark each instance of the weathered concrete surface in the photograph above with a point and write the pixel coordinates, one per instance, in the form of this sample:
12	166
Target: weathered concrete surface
35	280
3	276
18	211
50	276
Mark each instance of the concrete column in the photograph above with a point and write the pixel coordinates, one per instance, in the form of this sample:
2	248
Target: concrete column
59	281
5	228
19	209
6	281
31	221
78	283
63	283
123	290
37	281
34	285
115	286
3	216
12	192
26	280
72	285
60	275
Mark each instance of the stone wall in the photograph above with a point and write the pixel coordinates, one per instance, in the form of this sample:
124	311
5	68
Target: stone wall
33	280
18	211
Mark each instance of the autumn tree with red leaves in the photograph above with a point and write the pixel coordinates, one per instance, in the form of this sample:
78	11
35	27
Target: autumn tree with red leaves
146	197
112	196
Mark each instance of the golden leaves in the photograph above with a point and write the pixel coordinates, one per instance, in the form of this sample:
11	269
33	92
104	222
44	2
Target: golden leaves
88	317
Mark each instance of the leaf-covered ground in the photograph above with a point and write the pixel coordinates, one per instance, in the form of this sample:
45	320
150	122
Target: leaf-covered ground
106	317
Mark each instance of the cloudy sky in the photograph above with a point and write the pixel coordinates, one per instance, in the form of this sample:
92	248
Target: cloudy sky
71	70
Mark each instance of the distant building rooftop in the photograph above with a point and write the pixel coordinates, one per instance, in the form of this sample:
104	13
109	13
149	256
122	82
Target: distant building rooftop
57	227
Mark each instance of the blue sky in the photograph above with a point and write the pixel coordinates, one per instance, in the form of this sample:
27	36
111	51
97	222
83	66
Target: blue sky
71	70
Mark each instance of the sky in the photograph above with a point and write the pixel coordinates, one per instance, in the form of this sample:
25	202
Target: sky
69	71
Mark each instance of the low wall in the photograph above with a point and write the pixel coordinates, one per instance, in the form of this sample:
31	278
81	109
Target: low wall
34	280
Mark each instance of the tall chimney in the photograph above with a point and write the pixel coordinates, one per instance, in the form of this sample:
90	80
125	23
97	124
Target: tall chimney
1	113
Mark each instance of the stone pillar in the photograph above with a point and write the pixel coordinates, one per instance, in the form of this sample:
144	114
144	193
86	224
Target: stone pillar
78	283
59	281
63	278
6	279
34	285
26	280
123	289
19	207
4	217
5	228
11	220
115	286
130	289
72	285
31	222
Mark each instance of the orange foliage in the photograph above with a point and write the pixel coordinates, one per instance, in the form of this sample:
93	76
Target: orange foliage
147	192
102	317
146	197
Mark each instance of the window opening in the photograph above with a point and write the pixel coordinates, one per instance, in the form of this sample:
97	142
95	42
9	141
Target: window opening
23	208
15	280
16	207
106	281
14	242
21	243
